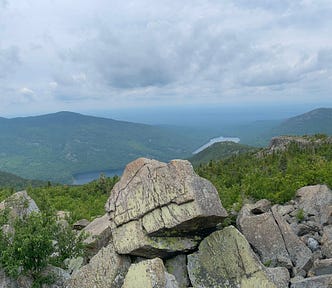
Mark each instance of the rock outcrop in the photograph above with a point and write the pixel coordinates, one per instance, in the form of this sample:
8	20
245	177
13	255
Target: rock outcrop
158	204
160	231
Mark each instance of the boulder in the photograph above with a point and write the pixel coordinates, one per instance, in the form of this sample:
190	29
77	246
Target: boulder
106	269
274	240
167	197
324	281
149	274
322	267
177	266
263	233
99	234
20	204
132	239
159	209
316	201
299	253
5	281
225	259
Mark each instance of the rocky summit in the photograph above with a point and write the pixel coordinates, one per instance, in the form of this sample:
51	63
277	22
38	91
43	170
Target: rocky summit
163	228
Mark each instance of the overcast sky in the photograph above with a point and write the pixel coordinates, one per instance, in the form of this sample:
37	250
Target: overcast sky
83	55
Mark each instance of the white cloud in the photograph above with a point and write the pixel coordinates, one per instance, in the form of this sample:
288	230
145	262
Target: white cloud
27	91
105	53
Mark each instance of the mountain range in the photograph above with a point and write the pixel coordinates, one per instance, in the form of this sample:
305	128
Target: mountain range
56	146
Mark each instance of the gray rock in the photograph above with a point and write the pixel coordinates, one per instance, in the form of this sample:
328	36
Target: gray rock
99	234
106	269
59	275
315	201
327	249
324	281
280	276
322	267
130	238
20	204
177	266
299	253
149	274
225	259
5	281
263	233
74	264
313	244
167	197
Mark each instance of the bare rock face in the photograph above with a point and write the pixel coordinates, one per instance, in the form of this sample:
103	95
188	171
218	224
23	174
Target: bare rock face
155	199
149	274
106	269
225	259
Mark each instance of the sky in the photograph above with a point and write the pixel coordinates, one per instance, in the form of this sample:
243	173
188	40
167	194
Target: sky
84	55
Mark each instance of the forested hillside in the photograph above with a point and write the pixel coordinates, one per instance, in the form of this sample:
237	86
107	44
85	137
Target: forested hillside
272	173
219	151
56	146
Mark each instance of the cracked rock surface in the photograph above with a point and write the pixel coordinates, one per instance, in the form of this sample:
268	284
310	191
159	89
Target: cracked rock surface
163	207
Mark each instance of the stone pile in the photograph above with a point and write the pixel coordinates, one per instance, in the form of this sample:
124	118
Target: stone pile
163	218
160	230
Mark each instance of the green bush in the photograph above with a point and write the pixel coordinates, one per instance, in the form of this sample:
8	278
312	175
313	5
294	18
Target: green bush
37	240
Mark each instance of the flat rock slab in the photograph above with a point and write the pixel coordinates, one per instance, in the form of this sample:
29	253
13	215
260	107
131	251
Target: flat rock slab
106	269
168	197
149	274
225	259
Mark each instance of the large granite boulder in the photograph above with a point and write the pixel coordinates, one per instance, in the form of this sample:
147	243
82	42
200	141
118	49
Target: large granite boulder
149	274
106	269
272	238
156	199
225	259
316	201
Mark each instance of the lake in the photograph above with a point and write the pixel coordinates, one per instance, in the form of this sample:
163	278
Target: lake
83	178
216	140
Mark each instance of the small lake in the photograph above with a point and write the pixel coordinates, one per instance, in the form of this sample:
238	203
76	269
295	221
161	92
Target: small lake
83	178
216	140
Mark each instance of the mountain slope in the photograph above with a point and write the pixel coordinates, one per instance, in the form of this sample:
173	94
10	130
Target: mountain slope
313	122
219	151
8	180
55	146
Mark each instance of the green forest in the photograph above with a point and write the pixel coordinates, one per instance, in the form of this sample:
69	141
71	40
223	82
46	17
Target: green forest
274	175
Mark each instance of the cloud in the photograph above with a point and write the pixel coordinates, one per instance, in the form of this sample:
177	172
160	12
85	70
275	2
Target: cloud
26	91
155	52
